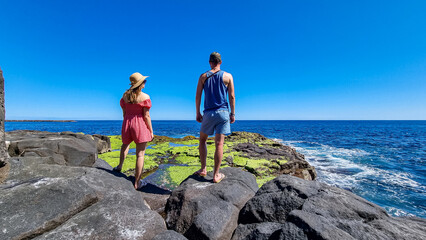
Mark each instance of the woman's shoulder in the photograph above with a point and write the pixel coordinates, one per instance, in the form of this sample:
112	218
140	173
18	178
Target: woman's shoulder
124	97
144	96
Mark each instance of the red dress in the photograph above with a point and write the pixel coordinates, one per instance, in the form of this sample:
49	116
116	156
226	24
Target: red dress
134	127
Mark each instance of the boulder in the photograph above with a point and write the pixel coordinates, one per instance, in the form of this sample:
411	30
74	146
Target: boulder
50	201
201	209
268	230
66	148
103	143
267	157
156	198
3	155
100	163
170	235
320	211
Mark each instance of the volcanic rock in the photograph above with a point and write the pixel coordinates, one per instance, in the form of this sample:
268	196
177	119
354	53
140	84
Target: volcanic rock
55	202
44	198
103	143
268	230
201	209
277	158
3	155
66	148
170	235
321	212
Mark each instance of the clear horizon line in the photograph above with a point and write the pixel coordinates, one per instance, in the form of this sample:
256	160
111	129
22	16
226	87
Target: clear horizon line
236	120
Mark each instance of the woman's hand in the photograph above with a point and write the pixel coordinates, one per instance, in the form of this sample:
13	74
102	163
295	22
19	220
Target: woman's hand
152	135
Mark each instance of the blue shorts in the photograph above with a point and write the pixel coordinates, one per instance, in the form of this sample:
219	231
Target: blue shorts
216	121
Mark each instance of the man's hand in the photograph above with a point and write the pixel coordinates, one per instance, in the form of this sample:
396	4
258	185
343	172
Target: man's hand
232	118
199	117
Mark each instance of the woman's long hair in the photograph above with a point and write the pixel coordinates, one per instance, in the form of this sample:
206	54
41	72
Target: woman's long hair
132	94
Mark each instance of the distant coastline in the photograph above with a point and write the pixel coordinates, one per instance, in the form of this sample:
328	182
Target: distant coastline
40	121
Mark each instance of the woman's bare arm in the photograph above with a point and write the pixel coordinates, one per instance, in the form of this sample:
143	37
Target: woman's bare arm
147	119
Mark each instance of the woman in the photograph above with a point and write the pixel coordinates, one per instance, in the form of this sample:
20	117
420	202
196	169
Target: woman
137	125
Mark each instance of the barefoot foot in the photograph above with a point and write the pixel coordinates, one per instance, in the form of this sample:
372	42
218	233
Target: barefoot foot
218	177
201	172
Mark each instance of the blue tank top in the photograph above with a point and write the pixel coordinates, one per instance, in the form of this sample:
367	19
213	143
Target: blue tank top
215	92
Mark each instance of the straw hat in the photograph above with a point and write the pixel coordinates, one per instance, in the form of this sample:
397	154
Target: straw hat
136	79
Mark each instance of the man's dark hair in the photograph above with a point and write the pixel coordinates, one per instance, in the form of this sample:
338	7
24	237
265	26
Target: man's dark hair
215	58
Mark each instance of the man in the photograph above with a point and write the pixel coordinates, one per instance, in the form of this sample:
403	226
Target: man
217	118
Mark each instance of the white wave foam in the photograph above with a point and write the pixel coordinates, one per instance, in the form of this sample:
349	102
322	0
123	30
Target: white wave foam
336	166
328	149
398	212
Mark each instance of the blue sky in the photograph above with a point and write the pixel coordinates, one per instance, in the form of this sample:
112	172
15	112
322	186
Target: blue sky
290	60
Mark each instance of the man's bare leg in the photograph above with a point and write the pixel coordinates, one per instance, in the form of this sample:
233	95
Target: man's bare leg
140	154
218	155
203	154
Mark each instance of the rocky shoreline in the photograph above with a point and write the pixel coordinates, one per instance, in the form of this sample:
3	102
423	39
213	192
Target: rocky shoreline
55	186
177	158
40	121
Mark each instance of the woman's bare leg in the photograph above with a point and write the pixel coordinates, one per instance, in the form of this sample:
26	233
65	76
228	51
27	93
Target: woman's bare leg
123	153
140	154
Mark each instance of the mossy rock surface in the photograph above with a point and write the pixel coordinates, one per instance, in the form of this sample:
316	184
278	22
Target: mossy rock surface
113	158
263	157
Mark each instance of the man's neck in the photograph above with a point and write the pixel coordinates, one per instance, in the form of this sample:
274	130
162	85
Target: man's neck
216	69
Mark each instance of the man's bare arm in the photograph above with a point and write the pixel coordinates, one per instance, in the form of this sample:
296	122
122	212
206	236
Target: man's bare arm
198	96
231	96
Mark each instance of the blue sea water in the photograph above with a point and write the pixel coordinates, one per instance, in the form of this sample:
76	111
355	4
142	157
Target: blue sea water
382	161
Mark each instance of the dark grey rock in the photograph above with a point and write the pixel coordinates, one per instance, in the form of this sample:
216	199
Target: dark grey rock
170	235
276	199
51	201
324	212
103	143
102	164
156	198
268	230
201	209
40	204
3	155
230	160
66	148
285	159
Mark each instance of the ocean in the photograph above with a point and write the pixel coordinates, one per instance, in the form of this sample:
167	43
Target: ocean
381	161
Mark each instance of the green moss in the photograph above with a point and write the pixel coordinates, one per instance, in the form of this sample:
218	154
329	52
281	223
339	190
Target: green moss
179	173
155	151
189	142
282	161
240	161
163	145
113	159
265	170
262	180
189	151
183	159
116	142
259	167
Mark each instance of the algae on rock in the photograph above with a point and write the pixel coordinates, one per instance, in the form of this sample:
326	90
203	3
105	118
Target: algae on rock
263	157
